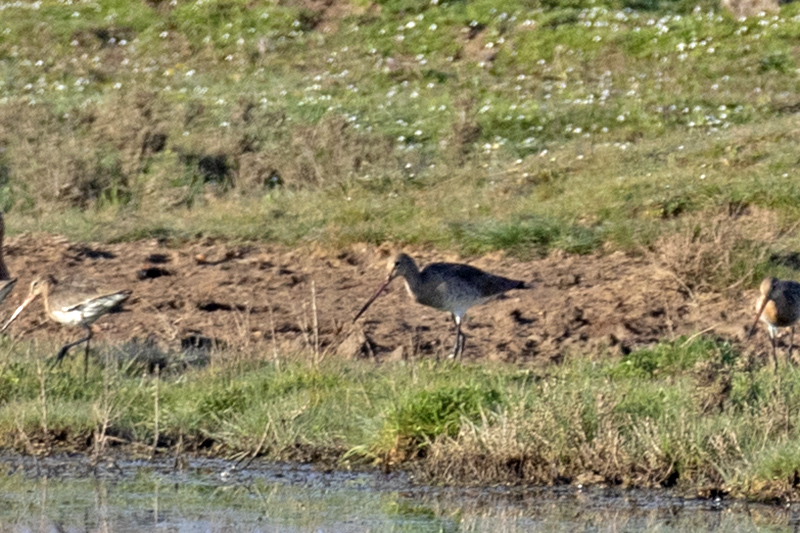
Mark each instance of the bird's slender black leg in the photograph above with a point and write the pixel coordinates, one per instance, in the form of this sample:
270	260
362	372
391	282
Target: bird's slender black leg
86	353
460	339
791	344
64	349
458	330
774	351
461	344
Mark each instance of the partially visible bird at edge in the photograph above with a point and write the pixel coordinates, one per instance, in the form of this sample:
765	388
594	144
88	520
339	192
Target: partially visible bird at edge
778	306
76	303
6	281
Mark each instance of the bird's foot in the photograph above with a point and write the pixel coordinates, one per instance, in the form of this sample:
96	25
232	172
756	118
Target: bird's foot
59	356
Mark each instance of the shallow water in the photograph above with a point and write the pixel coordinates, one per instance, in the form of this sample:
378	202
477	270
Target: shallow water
67	494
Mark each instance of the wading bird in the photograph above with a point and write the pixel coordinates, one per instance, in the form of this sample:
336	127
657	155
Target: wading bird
77	303
6	282
451	287
778	307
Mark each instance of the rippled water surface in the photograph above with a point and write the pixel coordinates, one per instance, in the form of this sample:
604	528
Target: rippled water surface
69	494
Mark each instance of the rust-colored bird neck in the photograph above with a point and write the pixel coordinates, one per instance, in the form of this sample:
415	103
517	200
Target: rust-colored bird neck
41	287
768	284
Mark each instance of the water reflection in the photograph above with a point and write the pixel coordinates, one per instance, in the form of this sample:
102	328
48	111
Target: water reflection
69	494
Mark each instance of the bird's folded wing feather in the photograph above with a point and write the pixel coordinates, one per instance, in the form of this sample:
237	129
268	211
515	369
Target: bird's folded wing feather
6	287
98	304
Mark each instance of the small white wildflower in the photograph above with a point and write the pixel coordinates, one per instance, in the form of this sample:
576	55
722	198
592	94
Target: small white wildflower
163	34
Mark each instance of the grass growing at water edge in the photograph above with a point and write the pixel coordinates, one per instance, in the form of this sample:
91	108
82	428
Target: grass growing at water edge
696	414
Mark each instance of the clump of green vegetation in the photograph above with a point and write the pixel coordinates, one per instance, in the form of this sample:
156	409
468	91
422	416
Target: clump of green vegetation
428	414
671	358
693	414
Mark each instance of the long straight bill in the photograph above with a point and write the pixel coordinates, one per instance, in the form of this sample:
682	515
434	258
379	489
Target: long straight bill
374	297
758	317
18	311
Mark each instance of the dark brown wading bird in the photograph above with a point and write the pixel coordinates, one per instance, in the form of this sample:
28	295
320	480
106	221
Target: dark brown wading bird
77	303
451	287
6	282
778	307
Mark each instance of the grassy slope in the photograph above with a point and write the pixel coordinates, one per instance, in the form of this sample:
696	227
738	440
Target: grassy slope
470	125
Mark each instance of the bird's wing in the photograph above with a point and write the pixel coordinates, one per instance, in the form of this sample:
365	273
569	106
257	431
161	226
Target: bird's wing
6	287
98	304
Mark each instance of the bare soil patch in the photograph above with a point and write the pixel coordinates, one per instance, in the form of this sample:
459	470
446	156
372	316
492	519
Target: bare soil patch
590	305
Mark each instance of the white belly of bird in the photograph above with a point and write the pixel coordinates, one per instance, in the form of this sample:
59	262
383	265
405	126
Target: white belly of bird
68	317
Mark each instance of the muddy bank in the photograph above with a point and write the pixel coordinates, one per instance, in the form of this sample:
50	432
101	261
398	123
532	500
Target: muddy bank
261	295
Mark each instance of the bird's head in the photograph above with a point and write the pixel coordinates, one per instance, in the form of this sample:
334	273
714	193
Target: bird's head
400	265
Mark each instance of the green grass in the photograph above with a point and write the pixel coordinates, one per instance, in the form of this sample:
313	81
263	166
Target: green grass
470	126
693	414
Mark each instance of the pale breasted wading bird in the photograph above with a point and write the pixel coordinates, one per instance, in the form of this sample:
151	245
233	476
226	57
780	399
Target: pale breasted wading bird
778	306
451	287
74	303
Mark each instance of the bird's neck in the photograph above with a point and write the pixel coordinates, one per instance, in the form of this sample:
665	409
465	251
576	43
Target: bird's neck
46	300
413	281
